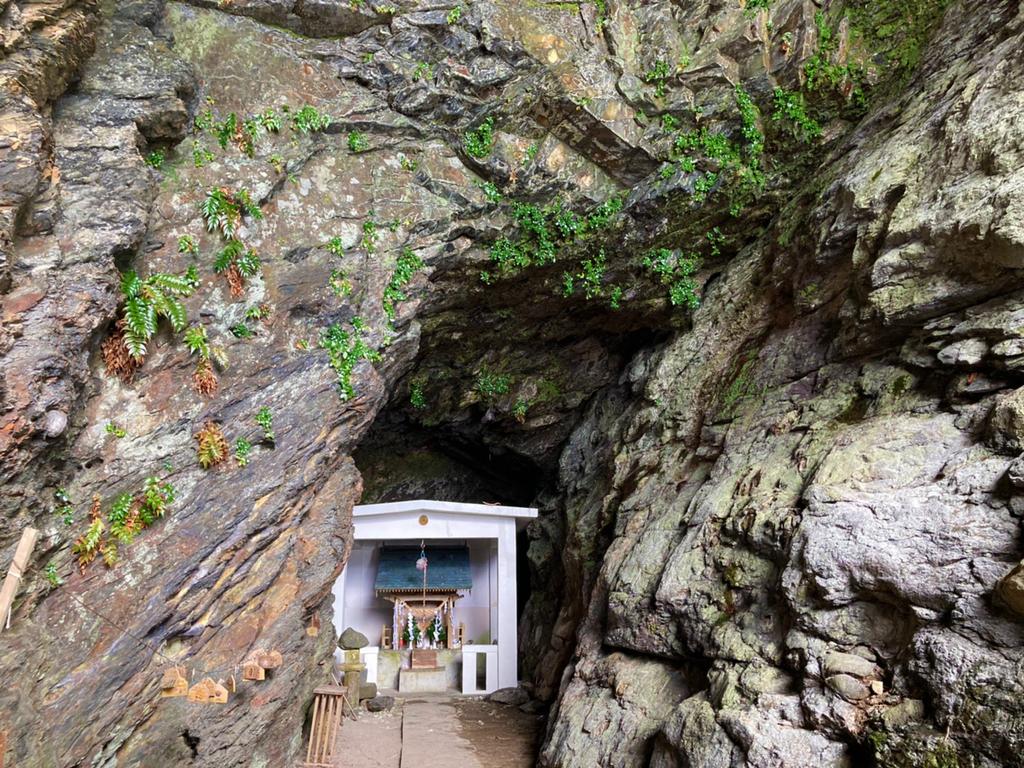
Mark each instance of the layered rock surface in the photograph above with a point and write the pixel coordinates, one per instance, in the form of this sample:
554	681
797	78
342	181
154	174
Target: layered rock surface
776	530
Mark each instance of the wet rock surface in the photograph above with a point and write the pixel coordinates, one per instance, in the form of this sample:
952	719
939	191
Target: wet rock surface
780	528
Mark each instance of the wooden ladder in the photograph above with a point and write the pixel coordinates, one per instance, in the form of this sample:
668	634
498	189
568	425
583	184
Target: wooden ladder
329	704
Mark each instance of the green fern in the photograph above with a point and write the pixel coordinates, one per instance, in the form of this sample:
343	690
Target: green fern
146	301
223	210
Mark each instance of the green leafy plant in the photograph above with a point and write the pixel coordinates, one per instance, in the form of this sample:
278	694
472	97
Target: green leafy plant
752	7
155	159
519	410
265	420
532	150
357	142
64	507
676	271
242	450
492	385
131	513
791	109
480	141
241	331
339	283
89	544
212	448
749	118
113	429
371	231
310	120
491	192
276	162
204	380
258	312
416	396
421	71
128	515
406	266
334	246
201	156
187	244
454	15
345	349
407	163
238	263
657	76
669	123
147	300
223	209
52	576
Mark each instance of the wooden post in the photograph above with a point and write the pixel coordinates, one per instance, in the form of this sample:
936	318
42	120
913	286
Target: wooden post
10	587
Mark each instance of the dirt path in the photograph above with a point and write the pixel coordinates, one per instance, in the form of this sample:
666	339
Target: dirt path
440	731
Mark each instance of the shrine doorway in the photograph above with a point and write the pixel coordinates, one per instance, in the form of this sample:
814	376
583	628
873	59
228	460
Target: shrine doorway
468	586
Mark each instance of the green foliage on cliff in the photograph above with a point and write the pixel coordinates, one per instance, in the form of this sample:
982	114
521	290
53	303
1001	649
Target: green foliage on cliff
223	209
490	385
357	142
345	349
147	300
657	75
479	141
790	109
407	265
676	271
129	515
265	420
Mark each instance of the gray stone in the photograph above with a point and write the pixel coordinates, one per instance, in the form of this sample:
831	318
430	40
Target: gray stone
850	688
1015	472
514	697
380	703
850	664
1006	425
352	640
964	353
905	712
367	691
1009	591
56	423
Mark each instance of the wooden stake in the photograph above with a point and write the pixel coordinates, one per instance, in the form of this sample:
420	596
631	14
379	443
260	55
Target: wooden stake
10	587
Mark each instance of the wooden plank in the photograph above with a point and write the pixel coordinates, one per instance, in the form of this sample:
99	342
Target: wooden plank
10	587
312	730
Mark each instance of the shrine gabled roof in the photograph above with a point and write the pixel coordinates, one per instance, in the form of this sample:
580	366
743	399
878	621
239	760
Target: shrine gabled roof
447	569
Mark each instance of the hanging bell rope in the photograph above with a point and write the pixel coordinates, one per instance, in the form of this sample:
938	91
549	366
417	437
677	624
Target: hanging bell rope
421	565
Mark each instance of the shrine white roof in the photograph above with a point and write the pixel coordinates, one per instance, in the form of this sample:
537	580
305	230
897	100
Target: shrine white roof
453	507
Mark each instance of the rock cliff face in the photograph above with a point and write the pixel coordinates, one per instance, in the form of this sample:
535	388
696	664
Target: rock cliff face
732	291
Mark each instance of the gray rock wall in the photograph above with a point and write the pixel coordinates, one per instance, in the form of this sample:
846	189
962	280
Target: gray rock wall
778	529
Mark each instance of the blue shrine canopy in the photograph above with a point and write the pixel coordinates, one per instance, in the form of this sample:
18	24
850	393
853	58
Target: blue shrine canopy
447	570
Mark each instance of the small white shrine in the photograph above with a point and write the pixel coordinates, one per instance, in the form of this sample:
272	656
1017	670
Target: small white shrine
432	584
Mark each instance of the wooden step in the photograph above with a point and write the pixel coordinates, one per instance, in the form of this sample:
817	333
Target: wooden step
424	659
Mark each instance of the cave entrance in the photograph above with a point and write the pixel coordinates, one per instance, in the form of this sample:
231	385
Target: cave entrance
448	622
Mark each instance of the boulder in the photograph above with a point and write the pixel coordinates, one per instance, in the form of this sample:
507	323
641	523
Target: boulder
850	688
352	640
837	663
380	703
1009	592
367	691
1006	425
514	697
